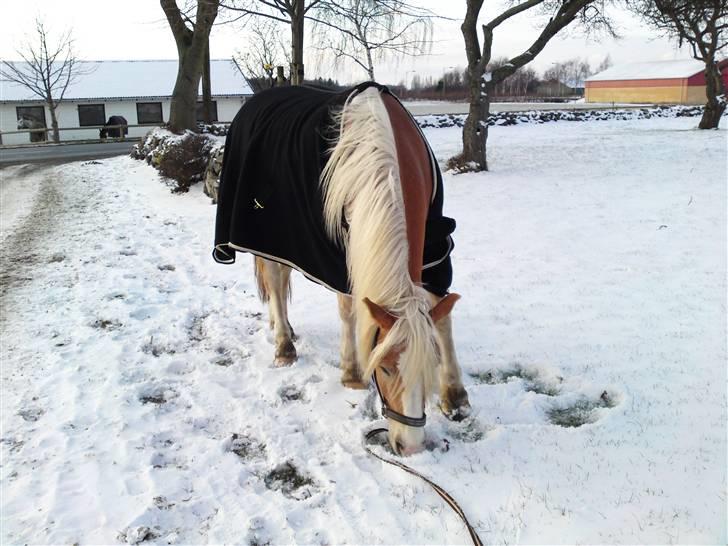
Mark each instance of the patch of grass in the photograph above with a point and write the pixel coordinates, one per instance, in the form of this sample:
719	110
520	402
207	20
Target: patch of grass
158	396
156	349
467	431
580	412
152	399
532	379
287	479
246	447
105	324
223	360
290	393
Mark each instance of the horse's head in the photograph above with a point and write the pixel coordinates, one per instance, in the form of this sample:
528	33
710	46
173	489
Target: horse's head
24	123
403	363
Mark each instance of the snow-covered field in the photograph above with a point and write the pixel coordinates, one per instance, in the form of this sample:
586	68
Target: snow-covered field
139	401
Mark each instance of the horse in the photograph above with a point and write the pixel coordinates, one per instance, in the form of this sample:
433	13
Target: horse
344	188
114	132
32	123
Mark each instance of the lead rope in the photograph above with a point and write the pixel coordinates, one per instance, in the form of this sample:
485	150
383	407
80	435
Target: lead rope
439	490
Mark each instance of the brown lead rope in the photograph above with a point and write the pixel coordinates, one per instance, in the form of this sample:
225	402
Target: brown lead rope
440	491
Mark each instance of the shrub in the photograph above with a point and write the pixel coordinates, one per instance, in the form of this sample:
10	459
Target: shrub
185	160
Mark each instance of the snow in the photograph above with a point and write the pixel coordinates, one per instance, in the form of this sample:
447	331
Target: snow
654	70
139	402
17	196
135	79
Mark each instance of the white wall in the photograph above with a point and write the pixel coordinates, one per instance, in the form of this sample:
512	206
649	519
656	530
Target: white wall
67	113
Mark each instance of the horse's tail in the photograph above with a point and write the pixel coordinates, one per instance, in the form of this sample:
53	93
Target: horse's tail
260	279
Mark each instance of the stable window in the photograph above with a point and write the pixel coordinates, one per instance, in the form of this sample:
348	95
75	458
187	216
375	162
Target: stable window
34	113
201	111
149	112
91	114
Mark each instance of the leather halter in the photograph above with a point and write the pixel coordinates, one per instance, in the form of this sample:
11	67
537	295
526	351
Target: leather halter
388	412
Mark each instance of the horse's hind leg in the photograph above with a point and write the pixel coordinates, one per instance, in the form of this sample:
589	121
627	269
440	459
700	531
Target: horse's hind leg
454	401
274	287
350	374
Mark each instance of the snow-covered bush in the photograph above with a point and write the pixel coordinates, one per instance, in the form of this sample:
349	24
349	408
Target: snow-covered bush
183	159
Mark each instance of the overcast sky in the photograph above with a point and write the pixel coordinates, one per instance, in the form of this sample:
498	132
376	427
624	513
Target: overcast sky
136	29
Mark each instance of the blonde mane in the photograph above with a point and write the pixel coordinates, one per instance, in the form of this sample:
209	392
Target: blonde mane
362	190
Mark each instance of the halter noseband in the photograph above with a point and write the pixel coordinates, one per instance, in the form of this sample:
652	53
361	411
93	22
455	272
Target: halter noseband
388	412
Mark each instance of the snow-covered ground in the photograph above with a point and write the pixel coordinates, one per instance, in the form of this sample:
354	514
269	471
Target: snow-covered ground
139	401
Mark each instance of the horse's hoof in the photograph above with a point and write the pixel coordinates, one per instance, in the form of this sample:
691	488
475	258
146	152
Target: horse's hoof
351	379
356	384
454	403
286	354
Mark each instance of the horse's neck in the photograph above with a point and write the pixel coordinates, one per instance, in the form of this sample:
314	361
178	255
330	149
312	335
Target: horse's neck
416	178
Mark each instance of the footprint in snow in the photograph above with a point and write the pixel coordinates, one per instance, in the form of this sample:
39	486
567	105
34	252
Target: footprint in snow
291	393
31	414
157	395
290	481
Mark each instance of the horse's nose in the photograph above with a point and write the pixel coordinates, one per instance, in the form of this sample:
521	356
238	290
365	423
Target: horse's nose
406	450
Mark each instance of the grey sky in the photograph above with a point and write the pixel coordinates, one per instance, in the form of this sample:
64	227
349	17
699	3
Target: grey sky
136	29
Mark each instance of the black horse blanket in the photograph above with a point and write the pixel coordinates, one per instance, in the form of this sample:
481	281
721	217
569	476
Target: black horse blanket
270	202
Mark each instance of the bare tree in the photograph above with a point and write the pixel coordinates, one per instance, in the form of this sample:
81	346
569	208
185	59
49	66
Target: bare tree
703	25
482	82
571	72
192	39
263	52
365	30
289	12
606	63
48	68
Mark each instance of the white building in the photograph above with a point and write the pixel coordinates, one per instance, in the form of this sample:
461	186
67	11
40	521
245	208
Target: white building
140	91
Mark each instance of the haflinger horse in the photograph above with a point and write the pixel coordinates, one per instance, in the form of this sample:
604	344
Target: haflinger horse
344	188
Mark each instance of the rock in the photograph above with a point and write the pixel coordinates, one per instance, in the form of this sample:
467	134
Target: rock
212	173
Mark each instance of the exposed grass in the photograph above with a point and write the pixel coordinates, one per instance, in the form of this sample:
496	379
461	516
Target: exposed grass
532	379
246	447
287	479
580	412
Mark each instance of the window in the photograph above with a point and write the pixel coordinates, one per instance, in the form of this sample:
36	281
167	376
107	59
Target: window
201	111
149	112
91	114
33	113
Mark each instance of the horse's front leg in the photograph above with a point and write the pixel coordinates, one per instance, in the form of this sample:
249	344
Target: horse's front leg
350	374
274	286
454	401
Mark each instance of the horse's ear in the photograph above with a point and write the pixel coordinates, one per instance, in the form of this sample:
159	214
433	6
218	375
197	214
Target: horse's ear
380	315
443	307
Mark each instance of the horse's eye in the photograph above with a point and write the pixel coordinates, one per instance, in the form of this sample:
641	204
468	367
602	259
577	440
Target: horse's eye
385	371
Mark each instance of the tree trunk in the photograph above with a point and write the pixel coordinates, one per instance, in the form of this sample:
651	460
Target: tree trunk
297	21
54	123
183	109
475	130
714	88
370	65
192	45
206	87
